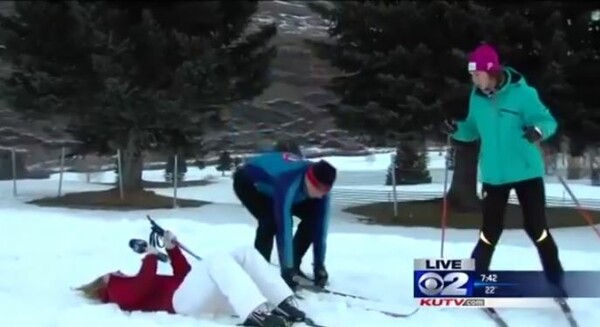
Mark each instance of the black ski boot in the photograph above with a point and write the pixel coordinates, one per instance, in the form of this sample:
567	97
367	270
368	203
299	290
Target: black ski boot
261	317
303	275
555	277
289	311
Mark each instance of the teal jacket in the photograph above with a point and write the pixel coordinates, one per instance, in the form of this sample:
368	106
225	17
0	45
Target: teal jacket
498	121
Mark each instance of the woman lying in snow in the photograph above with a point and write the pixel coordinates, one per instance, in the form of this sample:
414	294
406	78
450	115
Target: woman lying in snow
241	280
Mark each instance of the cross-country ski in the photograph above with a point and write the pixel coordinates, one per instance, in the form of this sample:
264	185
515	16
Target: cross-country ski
365	304
562	303
566	309
495	316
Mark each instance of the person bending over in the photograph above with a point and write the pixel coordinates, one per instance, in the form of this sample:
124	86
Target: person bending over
273	187
240	280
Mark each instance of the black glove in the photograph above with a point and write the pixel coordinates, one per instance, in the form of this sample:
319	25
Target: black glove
532	134
290	276
448	127
321	276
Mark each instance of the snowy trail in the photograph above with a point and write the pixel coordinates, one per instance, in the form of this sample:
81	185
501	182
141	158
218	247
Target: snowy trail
46	254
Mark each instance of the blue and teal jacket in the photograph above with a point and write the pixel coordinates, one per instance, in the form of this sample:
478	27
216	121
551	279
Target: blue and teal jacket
498	120
280	175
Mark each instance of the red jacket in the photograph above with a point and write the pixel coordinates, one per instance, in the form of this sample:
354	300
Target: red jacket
148	291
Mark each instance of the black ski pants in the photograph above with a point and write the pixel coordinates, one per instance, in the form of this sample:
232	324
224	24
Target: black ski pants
261	207
532	198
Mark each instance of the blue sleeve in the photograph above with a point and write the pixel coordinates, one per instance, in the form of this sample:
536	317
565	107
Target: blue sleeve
285	190
321	231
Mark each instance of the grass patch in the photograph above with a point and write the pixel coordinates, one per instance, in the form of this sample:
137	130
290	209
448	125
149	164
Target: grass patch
156	184
110	200
428	214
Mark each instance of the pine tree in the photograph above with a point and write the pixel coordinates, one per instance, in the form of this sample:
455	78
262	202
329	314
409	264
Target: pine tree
127	74
410	167
170	169
182	147
399	59
554	43
532	39
403	66
225	162
583	34
237	162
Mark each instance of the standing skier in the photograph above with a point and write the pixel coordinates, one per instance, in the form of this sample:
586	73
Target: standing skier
508	117
273	187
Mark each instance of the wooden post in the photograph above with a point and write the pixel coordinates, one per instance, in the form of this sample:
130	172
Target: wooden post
62	170
394	193
13	154
175	173
120	174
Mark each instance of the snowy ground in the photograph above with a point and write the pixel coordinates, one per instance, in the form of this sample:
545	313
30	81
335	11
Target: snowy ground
47	251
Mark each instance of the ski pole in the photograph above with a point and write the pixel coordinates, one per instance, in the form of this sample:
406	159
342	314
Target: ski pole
328	291
445	200
586	215
184	248
157	230
306	285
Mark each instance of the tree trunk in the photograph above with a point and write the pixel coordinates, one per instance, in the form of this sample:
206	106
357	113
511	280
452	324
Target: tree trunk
463	189
551	161
6	166
595	166
133	165
574	167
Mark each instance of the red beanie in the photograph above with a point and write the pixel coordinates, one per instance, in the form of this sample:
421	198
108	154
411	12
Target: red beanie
322	175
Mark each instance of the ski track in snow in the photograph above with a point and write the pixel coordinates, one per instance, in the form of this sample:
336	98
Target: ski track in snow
46	252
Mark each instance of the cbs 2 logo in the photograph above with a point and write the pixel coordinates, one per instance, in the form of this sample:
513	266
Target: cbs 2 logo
432	284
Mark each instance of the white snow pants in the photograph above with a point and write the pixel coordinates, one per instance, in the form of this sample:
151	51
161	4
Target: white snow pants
241	280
